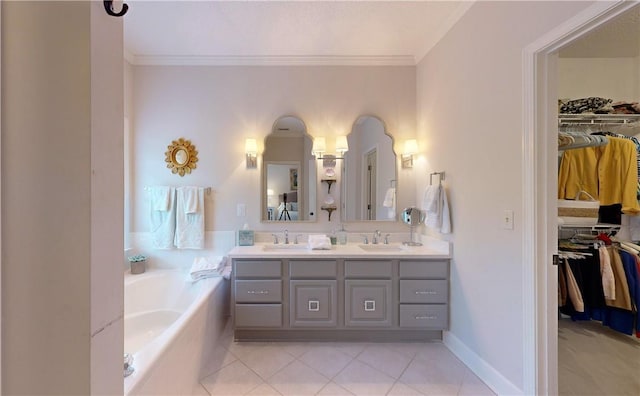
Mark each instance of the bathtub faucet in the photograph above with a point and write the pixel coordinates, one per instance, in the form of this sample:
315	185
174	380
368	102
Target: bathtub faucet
128	365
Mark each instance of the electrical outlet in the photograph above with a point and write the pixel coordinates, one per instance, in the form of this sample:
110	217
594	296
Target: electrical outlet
507	220
241	210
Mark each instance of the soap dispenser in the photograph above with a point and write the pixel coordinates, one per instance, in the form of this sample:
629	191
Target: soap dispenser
342	235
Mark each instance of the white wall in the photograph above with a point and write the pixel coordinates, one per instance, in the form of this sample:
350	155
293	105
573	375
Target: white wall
218	107
62	199
611	78
469	122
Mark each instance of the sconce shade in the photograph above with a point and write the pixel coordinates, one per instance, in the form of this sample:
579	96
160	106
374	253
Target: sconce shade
319	146
342	146
250	146
410	147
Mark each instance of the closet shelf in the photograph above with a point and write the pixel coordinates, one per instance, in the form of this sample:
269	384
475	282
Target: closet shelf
598	119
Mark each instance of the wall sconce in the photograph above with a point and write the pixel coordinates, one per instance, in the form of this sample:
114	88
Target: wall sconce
320	147
251	150
342	146
410	148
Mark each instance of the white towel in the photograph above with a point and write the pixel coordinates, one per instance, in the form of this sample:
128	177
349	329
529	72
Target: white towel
319	242
190	199
206	267
430	198
389	198
189	226
160	197
162	223
438	217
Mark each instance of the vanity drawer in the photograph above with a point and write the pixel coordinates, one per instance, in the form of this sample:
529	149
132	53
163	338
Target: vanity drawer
264	291
424	316
367	269
424	269
258	268
258	315
313	269
424	291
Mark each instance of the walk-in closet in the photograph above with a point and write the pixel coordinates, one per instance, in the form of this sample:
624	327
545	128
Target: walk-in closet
599	212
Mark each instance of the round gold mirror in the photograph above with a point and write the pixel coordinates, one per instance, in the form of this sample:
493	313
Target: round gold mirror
181	156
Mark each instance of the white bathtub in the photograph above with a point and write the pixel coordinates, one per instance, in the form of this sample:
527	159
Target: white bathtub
170	324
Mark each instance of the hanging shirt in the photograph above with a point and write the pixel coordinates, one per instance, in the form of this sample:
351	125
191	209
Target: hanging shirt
609	173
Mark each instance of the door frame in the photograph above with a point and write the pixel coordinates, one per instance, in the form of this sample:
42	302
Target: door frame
539	173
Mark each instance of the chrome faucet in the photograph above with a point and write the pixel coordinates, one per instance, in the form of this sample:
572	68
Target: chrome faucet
376	236
386	239
286	237
275	239
366	240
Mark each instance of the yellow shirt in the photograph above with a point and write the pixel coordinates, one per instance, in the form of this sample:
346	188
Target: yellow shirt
609	173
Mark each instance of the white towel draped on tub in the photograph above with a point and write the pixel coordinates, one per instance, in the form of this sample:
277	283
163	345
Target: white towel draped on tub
189	218
162	216
436	207
206	267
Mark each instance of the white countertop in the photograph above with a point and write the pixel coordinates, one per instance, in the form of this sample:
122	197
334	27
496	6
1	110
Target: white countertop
434	250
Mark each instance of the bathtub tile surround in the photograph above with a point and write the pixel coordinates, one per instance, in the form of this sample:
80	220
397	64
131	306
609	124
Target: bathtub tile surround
336	368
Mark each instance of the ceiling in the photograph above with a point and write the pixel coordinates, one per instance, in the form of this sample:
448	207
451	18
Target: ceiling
617	38
286	32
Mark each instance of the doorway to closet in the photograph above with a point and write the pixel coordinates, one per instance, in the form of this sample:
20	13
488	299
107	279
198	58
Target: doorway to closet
575	357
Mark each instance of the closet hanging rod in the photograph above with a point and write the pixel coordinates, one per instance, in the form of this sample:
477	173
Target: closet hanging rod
597	119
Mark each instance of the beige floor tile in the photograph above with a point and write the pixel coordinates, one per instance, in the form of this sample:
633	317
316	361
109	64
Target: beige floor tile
296	349
265	360
327	360
406	348
352	349
434	377
385	358
199	390
400	389
264	390
473	386
362	379
220	357
333	389
234	379
298	379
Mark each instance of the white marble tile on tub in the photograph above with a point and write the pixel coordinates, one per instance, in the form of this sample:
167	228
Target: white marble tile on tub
106	360
234	379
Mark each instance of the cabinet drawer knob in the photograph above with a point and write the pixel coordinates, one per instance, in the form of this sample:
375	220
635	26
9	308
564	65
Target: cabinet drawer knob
314	305
369	305
257	291
428	317
426	292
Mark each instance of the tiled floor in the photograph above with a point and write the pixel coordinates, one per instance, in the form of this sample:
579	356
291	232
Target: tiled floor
333	368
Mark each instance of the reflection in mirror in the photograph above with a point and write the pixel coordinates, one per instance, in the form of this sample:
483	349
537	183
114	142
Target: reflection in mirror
181	156
289	179
368	189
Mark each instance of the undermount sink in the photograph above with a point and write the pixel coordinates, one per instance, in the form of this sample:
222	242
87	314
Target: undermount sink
382	248
285	247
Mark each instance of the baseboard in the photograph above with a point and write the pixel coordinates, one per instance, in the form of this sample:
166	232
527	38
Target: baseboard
489	375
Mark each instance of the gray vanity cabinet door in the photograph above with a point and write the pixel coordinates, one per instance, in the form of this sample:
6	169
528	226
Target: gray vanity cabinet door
258	315
313	303
424	316
368	303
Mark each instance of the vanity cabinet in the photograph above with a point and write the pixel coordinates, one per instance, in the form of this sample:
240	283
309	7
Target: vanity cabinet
313	293
424	294
257	291
336	298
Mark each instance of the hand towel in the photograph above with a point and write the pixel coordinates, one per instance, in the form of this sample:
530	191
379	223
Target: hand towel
190	199
438	217
189	226
430	198
162	223
160	197
319	242
389	198
206	267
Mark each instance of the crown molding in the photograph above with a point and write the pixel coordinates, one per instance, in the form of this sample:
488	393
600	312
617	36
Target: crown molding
170	60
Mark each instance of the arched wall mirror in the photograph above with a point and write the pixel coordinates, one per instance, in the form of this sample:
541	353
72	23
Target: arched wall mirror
289	176
369	178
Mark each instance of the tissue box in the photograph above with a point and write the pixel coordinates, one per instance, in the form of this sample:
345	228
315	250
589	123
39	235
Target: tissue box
245	238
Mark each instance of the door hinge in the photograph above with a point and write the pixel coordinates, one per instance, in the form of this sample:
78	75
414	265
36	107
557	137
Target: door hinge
555	259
